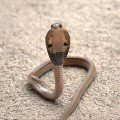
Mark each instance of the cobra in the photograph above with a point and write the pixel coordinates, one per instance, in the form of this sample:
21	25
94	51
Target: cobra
58	44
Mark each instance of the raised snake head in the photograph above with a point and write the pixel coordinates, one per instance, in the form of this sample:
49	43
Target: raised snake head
57	43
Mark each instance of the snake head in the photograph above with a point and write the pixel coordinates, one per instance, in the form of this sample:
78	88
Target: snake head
57	43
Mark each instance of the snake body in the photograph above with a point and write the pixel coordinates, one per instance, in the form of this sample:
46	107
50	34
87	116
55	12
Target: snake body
58	43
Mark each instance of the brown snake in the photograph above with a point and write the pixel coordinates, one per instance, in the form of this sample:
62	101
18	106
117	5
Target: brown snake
58	43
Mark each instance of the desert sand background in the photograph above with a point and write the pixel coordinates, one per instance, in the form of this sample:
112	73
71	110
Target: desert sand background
94	27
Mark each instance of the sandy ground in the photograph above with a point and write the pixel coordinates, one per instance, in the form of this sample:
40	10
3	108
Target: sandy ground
94	27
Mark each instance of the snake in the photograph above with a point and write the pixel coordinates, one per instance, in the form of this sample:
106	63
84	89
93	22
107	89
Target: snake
58	44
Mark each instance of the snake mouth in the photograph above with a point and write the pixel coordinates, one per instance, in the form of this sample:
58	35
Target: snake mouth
58	58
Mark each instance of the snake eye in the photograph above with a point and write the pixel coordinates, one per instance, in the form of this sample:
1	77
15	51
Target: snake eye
65	44
49	45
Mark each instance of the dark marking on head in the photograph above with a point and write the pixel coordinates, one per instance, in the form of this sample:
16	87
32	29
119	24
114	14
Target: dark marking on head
65	44
49	45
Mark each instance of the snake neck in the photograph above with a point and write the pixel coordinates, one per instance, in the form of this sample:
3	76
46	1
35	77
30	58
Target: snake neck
58	74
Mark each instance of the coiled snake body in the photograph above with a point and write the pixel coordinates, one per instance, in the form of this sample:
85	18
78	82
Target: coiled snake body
58	43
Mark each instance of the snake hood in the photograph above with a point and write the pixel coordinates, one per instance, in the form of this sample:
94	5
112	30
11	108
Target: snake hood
57	43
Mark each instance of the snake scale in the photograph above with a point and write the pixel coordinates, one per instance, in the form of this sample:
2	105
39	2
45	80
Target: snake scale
58	43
